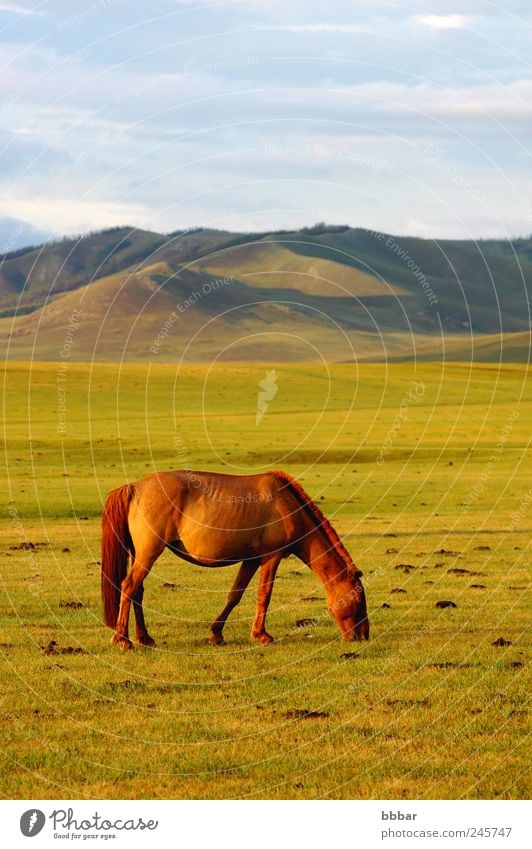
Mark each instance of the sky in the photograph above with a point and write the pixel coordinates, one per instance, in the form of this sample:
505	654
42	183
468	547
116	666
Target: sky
409	118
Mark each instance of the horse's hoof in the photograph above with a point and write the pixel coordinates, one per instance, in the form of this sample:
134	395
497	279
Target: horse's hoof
146	642
264	638
123	642
216	640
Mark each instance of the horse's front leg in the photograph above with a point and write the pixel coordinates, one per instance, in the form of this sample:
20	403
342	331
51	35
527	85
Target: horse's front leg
268	569
244	576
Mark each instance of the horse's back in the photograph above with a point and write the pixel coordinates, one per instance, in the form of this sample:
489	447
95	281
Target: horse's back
215	515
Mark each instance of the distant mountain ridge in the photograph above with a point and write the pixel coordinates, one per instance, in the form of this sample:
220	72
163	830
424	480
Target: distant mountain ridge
328	291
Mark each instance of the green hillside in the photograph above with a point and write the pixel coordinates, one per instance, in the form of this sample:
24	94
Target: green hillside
322	293
29	278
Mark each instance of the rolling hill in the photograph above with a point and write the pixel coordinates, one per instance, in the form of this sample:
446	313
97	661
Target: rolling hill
325	292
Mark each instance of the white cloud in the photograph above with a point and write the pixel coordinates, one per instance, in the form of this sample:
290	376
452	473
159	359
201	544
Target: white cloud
20	10
76	215
318	28
442	21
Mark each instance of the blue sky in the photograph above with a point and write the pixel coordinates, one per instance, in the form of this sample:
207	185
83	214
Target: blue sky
412	118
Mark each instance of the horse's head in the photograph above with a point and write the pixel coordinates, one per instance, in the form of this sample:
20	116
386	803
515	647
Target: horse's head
347	605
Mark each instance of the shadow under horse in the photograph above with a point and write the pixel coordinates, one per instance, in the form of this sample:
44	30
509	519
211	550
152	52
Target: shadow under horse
214	520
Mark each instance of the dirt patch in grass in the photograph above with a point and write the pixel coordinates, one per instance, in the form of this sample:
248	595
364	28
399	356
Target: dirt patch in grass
54	648
464	572
304	713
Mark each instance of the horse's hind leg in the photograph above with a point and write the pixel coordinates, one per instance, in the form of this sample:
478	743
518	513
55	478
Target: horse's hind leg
132	590
268	569
244	576
143	638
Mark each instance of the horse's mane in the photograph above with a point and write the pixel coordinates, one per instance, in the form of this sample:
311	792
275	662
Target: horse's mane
323	523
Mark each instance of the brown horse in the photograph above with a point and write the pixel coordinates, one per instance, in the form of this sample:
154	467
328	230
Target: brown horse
217	520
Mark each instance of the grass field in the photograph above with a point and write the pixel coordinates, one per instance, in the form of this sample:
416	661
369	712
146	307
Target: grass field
425	466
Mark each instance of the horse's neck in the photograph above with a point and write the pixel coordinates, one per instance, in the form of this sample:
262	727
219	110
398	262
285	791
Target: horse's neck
317	552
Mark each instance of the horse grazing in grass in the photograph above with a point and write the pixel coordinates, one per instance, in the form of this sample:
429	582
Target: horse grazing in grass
218	520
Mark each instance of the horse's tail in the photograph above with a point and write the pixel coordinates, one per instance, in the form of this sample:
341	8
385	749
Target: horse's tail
117	545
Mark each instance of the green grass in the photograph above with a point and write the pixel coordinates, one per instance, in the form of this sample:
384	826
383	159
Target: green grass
428	709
